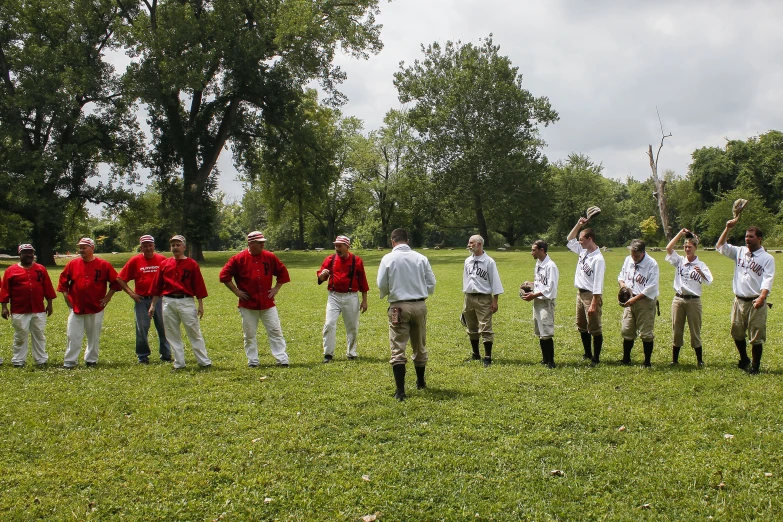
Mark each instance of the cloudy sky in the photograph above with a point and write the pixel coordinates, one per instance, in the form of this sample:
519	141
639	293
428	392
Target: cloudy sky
713	69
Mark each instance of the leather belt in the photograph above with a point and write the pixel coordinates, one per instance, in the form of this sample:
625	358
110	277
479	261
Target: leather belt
687	296
177	296
747	299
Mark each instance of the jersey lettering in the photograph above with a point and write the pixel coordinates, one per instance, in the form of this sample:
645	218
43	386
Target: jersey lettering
185	276
97	276
266	268
39	277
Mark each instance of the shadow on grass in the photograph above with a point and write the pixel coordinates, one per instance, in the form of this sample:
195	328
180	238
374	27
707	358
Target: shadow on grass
440	394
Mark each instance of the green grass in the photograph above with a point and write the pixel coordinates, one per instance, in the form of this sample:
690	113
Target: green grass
129	442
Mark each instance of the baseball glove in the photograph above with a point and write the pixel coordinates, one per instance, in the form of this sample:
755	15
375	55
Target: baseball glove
623	295
525	289
592	212
738	207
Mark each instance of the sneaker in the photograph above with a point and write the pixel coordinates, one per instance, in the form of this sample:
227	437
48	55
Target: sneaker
327	359
487	361
91	364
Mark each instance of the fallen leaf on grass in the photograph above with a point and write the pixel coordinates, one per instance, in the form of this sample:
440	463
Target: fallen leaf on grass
720	486
622	428
366	478
255	440
263	378
728	436
370	518
767	474
557	473
646	506
267	500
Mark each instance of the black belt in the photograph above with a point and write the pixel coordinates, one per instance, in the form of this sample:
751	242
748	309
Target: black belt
582	290
144	296
687	296
411	300
177	296
477	293
747	299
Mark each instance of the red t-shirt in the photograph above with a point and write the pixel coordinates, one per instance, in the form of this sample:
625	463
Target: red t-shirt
179	276
143	271
26	288
86	284
253	275
340	274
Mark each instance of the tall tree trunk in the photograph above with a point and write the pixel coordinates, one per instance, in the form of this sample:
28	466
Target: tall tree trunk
480	220
196	219
300	235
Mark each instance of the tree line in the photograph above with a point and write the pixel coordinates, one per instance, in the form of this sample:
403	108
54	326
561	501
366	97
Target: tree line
465	155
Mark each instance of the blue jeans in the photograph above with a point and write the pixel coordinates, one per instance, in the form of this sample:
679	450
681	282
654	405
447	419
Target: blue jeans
143	327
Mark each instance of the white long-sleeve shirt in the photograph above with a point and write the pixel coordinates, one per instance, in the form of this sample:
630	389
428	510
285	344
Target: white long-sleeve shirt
590	269
481	276
642	277
688	281
547	276
753	271
405	275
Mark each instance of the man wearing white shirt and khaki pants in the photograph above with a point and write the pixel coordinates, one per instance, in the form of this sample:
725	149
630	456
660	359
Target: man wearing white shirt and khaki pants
406	277
754	273
690	273
481	286
589	282
543	296
640	275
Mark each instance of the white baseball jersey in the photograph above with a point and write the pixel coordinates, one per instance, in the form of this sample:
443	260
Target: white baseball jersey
590	268
641	278
753	272
688	281
481	276
547	276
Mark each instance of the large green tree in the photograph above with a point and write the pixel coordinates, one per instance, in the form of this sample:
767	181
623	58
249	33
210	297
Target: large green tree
214	72
62	114
479	127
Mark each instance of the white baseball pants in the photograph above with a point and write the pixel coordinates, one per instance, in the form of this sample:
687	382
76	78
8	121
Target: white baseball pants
183	311
271	322
26	326
346	303
78	325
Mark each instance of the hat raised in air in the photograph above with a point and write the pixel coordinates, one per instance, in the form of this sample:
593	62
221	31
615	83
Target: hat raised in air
343	240
256	236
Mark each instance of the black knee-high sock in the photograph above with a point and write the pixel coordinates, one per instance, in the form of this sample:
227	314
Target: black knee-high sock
627	347
742	348
756	350
550	348
474	343
598	343
648	350
698	354
586	344
488	349
675	354
544	351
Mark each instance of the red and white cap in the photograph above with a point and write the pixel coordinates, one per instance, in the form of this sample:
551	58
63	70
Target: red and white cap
345	240
25	246
256	236
146	238
87	241
178	237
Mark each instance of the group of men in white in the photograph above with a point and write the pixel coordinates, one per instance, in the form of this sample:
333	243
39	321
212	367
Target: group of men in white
169	293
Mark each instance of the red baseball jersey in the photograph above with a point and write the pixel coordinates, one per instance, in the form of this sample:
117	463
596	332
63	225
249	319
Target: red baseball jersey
179	276
143	271
340	273
86	284
253	275
26	288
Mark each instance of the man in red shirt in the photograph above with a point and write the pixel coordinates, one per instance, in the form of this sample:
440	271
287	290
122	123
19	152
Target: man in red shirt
26	285
84	283
142	269
346	276
253	269
178	280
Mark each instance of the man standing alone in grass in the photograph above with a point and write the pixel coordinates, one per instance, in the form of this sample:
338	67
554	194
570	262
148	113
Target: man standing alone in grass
754	273
346	276
407	278
589	281
26	285
543	295
481	286
142	269
640	276
690	274
253	270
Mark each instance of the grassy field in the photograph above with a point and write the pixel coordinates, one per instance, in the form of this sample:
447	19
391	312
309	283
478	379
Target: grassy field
328	442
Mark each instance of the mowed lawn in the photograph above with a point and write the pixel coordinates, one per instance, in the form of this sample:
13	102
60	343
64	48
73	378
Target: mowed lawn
328	442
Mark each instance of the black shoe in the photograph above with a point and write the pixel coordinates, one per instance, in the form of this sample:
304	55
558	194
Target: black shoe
400	396
167	360
594	363
674	363
352	357
646	365
66	367
753	371
252	365
700	364
551	364
282	365
91	364
18	365
487	362
144	361
626	362
205	366
327	359
743	364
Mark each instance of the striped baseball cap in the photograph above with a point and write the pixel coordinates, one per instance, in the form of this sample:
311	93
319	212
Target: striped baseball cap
256	236
178	237
25	246
146	238
345	240
87	241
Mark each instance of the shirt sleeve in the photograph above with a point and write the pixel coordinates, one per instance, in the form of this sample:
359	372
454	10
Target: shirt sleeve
5	291
729	251
157	284
705	270
65	279
127	272
362	276
497	286
574	246
382	279
227	272
769	275
49	292
598	278
199	288
281	272
651	289
623	272
429	277
324	266
111	276
673	258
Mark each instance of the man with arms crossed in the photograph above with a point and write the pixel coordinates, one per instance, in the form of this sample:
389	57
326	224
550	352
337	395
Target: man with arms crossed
26	285
142	269
253	270
407	278
754	273
346	276
481	286
589	281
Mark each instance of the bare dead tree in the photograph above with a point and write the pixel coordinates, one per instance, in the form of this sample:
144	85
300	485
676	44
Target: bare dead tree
660	184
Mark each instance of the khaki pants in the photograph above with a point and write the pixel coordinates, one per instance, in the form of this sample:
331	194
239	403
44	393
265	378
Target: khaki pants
478	315
544	318
746	319
689	309
584	321
411	324
639	320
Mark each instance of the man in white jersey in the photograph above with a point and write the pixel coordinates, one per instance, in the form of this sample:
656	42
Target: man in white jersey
639	275
481	286
754	273
543	296
690	273
589	281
